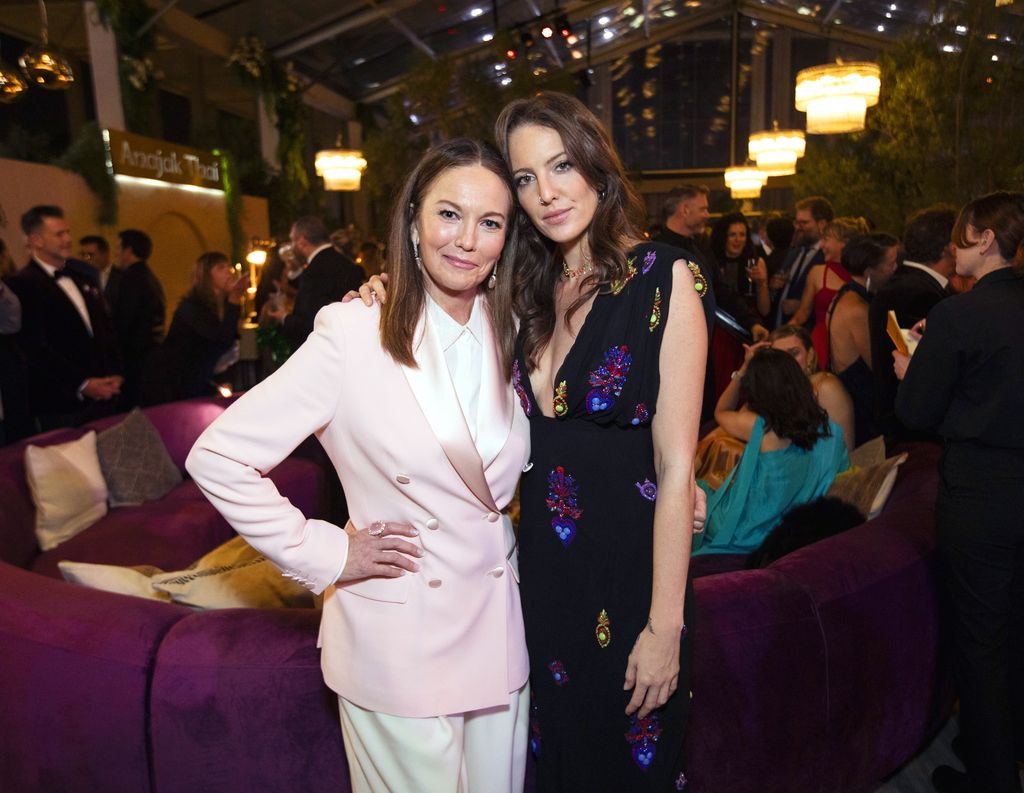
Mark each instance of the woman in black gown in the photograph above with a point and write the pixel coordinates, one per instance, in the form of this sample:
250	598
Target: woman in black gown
204	327
610	370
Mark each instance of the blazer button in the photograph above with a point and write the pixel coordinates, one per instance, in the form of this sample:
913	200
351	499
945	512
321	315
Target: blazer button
434	583
402	479
527	467
432	524
498	572
492	517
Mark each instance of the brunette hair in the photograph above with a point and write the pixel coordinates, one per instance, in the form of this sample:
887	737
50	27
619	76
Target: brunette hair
863	252
33	218
617	221
406	285
819	207
927	233
798	332
720	236
777	390
1003	212
138	242
202	281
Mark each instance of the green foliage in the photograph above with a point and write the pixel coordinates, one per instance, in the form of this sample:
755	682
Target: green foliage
87	156
138	74
232	203
948	126
449	99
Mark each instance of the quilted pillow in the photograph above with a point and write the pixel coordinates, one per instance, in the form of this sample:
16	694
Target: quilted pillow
135	462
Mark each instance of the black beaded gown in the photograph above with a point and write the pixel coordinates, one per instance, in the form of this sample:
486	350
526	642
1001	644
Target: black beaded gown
586	544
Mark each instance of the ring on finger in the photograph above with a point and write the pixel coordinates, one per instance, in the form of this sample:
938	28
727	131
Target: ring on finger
377	528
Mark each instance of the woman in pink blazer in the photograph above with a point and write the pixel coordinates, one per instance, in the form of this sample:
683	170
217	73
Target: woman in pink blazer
422	631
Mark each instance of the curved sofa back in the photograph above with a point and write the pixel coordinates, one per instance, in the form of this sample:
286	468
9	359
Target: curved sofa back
179	424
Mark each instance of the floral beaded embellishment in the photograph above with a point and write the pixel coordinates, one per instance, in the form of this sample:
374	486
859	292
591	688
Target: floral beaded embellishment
648	262
517	385
618	286
647	489
561	406
608	379
641	416
561	500
700	283
642	736
534	726
681	781
558	673
603	631
655	318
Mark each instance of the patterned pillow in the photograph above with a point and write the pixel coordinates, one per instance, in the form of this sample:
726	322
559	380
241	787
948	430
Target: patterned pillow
135	461
868	489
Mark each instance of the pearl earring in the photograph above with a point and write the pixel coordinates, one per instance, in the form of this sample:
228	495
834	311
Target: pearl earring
493	280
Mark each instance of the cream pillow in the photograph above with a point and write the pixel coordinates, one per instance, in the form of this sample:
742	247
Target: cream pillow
67	488
868	488
233	575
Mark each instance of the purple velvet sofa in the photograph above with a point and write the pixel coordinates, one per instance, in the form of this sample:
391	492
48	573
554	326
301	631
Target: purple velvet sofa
819	673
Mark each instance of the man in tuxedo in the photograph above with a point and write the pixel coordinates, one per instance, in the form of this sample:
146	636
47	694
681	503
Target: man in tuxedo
137	307
328	277
66	337
812	215
918	284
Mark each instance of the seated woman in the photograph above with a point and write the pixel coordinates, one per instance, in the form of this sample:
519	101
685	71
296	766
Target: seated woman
870	260
825	280
204	327
793	453
828	390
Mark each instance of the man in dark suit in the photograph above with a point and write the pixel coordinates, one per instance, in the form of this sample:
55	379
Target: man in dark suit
812	215
66	337
137	307
94	250
919	283
329	276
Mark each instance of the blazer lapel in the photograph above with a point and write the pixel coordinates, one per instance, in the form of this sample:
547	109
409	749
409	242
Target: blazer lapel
495	405
432	386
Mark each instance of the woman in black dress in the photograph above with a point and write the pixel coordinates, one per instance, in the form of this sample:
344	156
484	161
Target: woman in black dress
966	382
609	369
204	327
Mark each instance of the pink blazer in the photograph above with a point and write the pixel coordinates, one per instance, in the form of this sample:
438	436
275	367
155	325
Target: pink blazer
449	638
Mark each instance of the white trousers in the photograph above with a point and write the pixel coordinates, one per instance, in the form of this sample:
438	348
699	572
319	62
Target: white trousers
482	751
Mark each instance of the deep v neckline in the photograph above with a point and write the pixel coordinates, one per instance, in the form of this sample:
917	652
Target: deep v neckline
558	375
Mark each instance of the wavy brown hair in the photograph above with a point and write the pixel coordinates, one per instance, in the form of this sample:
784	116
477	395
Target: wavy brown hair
202	281
407	284
616	224
777	390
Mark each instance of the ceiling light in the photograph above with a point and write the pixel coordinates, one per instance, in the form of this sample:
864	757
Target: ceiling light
608	34
836	96
487	37
603	20
880	28
340	168
995	57
961	29
475	12
948	48
804	11
744	181
43	65
506	80
547	31
776	150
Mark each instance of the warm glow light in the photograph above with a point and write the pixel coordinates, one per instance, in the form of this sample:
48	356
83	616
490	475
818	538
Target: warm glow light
745	182
776	151
836	96
224	391
257	256
340	168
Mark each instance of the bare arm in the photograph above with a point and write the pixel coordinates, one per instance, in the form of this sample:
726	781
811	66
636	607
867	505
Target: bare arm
834	400
731	417
653	668
815	279
759	275
858	324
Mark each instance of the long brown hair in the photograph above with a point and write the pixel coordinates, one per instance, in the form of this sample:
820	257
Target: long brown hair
406	283
777	390
616	224
202	281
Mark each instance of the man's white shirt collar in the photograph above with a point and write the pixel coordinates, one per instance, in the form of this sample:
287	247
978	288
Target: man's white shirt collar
943	281
316	253
49	269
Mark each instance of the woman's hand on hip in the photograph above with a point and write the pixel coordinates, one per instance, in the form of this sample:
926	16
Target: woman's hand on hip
652	670
379	551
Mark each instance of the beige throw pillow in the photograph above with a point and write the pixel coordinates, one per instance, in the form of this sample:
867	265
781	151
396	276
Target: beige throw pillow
67	488
868	488
233	575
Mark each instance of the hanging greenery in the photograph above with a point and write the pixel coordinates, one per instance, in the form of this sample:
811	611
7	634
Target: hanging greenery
272	339
138	73
87	156
281	89
232	203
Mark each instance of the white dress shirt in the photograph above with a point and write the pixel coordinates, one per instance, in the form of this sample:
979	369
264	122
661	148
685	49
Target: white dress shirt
943	281
70	288
463	352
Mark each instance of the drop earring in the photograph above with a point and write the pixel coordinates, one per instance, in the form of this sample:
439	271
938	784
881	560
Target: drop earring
493	280
416	255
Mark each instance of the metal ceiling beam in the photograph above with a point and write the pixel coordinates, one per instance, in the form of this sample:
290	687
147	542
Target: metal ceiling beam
415	40
329	28
814	27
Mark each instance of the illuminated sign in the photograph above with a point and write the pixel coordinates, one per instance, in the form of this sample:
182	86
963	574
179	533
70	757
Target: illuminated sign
134	155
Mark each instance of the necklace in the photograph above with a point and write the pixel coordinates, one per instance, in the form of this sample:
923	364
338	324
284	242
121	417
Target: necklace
581	270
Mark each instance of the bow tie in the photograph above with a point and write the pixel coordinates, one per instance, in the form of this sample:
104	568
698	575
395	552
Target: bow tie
61	273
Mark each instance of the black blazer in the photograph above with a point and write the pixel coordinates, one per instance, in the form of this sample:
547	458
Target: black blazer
911	293
329	276
59	351
137	308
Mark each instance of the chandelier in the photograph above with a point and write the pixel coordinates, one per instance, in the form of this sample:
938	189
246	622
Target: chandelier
776	150
43	65
12	85
836	96
340	168
744	181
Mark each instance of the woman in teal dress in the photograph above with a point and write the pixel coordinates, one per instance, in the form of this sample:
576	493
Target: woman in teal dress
793	452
